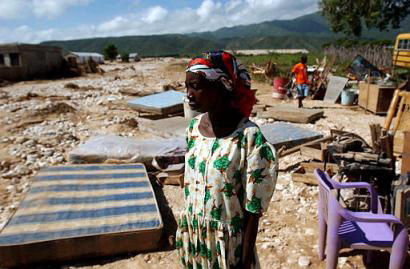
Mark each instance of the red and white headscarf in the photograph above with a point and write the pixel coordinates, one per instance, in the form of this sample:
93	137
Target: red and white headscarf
223	67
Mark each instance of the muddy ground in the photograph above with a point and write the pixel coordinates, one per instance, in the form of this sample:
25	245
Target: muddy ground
42	121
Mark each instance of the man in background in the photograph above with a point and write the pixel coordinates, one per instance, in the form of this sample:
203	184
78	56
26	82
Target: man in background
302	88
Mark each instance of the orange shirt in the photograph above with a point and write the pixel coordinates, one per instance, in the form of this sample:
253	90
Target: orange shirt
300	71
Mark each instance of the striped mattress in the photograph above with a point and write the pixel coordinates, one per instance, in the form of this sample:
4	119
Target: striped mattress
82	211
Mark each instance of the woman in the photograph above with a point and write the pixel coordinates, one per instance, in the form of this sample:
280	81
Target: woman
230	169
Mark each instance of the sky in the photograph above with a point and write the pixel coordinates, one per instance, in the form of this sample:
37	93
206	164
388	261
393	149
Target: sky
34	21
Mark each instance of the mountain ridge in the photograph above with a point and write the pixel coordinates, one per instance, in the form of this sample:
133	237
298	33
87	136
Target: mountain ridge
309	31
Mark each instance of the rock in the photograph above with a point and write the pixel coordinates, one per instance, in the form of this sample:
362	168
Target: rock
304	261
147	258
309	231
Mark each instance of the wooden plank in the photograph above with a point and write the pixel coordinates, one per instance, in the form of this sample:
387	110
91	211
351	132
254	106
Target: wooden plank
295	149
314	152
405	164
309	167
291	114
307	178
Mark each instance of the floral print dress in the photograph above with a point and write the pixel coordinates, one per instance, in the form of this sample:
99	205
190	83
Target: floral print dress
223	178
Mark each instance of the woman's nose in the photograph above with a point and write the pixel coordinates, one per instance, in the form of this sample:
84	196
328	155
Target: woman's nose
190	93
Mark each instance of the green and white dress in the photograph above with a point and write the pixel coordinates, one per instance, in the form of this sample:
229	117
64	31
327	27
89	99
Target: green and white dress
223	177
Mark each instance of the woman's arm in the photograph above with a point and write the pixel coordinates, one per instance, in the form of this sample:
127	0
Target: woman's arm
251	222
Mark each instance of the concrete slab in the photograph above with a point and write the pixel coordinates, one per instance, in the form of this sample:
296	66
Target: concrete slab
284	134
167	127
160	103
291	113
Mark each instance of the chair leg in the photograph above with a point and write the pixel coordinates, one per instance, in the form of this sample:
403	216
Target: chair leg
368	256
333	241
322	237
399	248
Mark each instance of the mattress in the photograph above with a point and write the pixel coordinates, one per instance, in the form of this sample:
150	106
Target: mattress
82	211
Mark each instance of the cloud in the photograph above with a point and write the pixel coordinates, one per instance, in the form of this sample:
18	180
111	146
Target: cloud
13	9
53	8
155	14
208	16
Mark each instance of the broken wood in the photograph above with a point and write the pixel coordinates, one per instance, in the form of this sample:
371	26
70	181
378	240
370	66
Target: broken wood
296	149
330	168
307	178
317	151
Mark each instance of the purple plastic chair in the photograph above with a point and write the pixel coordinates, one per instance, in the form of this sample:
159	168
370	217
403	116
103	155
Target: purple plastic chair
340	228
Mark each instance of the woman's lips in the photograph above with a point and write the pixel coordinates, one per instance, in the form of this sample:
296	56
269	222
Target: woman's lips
193	105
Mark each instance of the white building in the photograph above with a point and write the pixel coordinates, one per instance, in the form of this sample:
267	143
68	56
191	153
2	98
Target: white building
82	57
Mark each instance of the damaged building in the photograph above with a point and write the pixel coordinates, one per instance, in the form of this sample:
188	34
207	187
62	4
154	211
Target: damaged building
27	61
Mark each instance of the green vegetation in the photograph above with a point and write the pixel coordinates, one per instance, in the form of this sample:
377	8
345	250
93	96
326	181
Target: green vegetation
125	57
110	52
350	16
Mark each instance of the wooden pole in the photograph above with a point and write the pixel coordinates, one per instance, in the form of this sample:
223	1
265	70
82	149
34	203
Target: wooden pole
392	109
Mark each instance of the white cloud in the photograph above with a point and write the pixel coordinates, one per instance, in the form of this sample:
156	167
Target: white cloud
53	8
12	9
155	14
209	16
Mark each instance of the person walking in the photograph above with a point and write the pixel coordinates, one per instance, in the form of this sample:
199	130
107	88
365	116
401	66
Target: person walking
230	168
302	81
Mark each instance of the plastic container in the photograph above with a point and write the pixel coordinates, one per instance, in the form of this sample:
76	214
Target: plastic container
188	112
348	97
279	92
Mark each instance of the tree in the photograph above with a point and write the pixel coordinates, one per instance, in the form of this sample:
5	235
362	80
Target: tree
125	57
110	52
348	16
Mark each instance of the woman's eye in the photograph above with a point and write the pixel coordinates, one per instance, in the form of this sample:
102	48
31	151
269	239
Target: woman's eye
193	86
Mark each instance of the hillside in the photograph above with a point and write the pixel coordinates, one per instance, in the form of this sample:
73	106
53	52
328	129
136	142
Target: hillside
309	31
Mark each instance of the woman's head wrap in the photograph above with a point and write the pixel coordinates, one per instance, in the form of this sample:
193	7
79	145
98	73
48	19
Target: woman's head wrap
220	66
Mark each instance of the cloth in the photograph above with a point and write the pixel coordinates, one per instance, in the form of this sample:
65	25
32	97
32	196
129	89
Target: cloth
223	67
223	178
300	71
302	90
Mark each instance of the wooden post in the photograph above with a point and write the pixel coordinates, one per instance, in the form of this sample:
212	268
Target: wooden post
392	109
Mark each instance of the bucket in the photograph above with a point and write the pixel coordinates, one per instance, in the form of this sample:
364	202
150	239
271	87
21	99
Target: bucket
188	112
279	92
348	97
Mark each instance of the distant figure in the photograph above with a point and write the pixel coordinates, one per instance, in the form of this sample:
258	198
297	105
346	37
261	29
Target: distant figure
302	81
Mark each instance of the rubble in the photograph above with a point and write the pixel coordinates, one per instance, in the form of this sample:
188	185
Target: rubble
96	107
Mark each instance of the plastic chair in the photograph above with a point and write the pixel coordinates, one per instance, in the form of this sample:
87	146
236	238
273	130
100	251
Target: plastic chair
340	228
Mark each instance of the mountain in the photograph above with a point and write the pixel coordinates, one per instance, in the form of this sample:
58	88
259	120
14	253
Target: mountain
310	31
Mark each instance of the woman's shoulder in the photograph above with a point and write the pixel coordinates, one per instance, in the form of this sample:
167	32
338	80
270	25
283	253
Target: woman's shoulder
249	127
193	124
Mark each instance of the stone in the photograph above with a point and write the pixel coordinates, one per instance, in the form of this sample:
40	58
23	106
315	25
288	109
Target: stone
304	261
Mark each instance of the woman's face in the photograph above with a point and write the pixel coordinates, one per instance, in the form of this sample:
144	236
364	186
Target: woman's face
203	96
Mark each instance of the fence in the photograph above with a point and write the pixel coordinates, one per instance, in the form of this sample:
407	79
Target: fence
380	56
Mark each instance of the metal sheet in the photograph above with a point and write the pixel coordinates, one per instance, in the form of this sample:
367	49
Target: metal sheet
335	88
162	103
80	204
284	134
